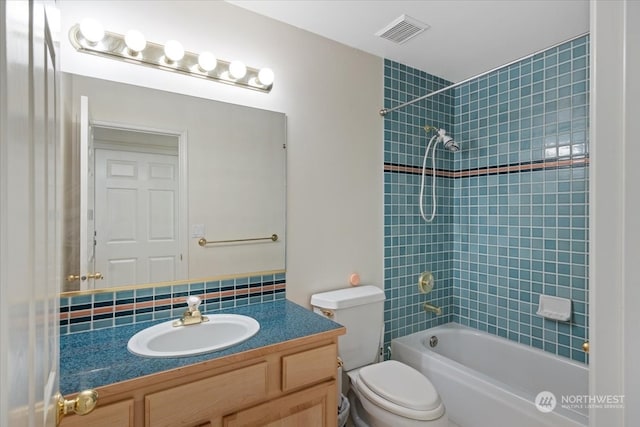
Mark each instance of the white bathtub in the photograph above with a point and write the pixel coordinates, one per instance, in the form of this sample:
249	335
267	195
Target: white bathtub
488	381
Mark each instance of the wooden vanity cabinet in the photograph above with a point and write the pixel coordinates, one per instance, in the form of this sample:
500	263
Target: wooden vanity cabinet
115	414
287	384
312	407
193	403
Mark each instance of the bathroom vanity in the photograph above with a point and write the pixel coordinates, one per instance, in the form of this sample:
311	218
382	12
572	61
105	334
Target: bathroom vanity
284	376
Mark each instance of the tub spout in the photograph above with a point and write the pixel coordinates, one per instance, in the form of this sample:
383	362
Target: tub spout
430	308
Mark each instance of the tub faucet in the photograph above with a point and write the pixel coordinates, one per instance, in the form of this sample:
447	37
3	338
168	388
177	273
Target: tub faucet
192	315
430	308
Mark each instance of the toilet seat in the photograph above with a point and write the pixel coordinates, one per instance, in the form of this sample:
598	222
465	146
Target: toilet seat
401	390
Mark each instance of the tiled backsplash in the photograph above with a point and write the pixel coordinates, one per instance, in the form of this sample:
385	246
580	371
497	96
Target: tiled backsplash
106	309
512	218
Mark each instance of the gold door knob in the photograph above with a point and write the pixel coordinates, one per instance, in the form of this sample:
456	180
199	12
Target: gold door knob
585	347
73	277
84	403
97	276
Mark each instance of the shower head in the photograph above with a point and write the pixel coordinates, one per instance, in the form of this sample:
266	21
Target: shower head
447	141
450	144
442	136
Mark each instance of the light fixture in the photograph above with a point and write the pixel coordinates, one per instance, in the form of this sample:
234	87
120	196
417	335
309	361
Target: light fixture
135	41
89	37
265	76
91	30
207	61
173	51
237	70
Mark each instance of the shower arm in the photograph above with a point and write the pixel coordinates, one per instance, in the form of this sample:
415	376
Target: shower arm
429	128
440	133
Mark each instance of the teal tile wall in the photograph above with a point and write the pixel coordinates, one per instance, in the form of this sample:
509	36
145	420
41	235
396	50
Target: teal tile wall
404	136
412	246
512	219
534	110
521	234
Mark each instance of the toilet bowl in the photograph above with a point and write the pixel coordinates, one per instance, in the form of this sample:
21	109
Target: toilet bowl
383	394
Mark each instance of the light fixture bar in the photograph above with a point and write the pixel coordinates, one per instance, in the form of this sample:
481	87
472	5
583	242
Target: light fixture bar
113	46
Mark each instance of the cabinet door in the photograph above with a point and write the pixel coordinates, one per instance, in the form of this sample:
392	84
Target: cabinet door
200	402
115	415
313	407
309	367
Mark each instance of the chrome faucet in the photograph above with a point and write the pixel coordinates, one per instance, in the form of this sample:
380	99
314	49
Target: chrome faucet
192	315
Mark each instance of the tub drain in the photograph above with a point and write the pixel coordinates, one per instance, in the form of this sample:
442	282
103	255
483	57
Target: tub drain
433	341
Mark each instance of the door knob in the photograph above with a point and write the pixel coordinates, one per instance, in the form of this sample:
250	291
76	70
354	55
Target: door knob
74	277
84	403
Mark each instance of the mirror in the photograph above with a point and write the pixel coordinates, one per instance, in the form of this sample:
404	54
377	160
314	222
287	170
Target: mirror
149	173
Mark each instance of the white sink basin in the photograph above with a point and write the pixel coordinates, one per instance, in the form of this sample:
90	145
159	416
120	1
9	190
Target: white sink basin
220	332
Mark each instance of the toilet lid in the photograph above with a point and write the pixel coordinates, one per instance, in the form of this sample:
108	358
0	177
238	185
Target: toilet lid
401	384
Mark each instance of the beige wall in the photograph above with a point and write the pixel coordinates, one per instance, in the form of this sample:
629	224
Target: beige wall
330	93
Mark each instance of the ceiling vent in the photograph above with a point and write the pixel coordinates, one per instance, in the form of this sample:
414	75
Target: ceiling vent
402	29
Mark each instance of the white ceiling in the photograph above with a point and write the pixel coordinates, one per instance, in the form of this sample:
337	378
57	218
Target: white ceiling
466	37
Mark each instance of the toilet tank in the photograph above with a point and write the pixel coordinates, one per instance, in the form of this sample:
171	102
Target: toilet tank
360	309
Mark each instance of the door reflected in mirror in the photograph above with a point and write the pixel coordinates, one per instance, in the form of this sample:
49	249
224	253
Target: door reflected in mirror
152	172
136	208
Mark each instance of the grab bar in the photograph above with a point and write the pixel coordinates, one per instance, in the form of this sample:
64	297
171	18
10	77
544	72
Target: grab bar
203	242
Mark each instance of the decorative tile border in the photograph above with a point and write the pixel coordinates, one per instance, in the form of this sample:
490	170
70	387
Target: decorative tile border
496	170
106	309
415	170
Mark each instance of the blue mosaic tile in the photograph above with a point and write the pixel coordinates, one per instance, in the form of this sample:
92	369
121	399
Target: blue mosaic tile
512	235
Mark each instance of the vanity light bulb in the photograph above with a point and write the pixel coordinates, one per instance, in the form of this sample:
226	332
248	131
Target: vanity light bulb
135	41
207	61
91	30
237	69
266	76
173	50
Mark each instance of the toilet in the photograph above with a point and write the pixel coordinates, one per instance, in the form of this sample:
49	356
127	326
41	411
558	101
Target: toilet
383	394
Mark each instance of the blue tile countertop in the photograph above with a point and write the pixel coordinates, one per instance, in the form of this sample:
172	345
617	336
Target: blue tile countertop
99	358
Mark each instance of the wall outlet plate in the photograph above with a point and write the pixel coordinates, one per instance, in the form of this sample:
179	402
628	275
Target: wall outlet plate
197	230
